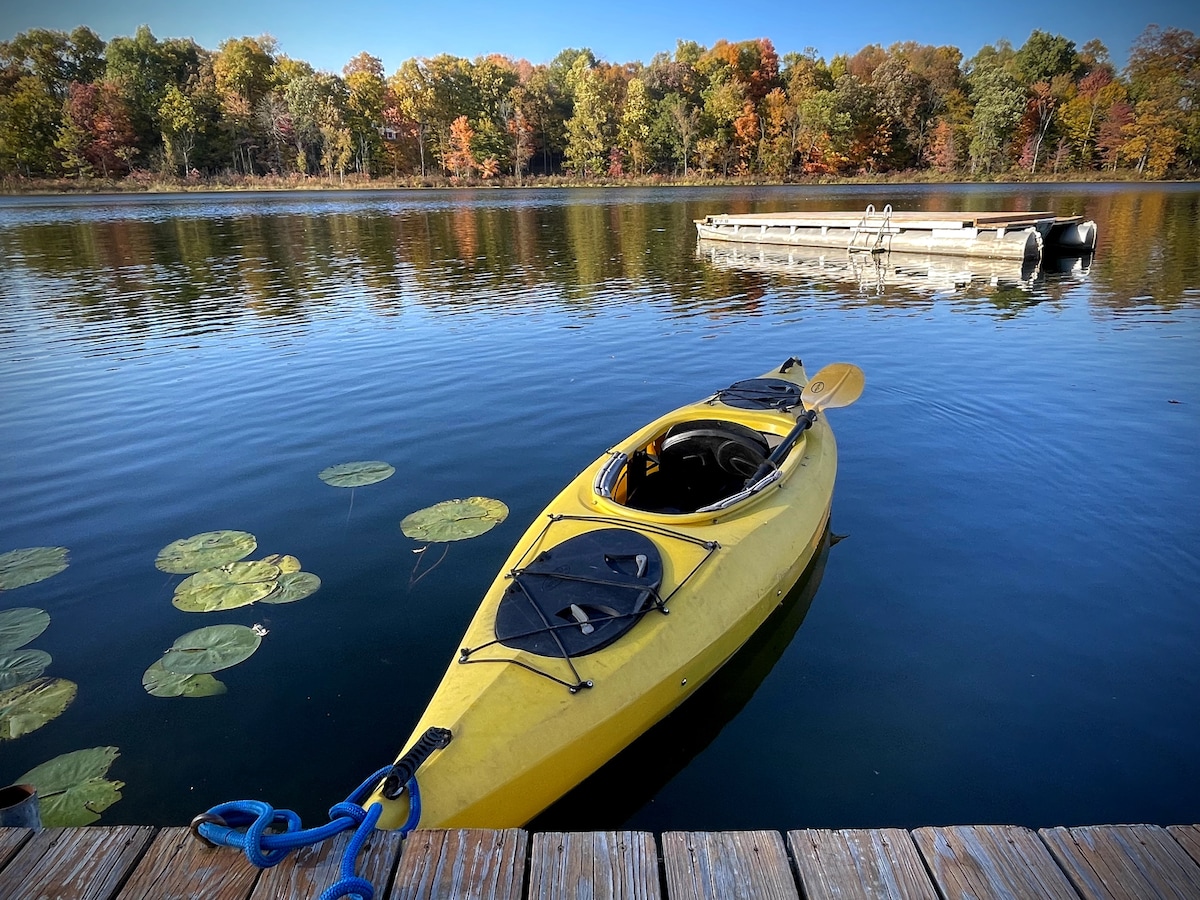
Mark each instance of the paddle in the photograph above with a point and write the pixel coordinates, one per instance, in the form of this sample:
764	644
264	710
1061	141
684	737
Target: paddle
838	384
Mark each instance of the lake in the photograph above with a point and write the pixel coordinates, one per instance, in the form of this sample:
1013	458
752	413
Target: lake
1007	631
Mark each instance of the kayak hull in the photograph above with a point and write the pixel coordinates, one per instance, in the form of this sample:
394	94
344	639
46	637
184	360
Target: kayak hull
527	727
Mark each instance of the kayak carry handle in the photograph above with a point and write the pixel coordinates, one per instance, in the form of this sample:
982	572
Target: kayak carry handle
406	766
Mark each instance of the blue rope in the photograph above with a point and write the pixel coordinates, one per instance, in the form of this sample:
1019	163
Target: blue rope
266	850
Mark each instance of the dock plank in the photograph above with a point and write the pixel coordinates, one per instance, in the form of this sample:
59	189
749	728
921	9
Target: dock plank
975	862
1188	837
12	840
179	867
727	865
606	865
307	872
1125	862
463	863
860	864
74	863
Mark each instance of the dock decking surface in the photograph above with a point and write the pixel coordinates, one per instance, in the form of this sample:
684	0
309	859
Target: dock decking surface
1102	862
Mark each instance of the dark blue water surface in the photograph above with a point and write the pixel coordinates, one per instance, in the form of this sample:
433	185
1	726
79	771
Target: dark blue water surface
1009	633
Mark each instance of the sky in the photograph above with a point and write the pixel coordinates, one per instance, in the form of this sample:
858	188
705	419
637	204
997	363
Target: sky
328	34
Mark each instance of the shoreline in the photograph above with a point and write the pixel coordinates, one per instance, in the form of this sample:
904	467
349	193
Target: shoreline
260	184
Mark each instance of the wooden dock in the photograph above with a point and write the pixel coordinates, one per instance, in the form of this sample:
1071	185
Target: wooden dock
1105	862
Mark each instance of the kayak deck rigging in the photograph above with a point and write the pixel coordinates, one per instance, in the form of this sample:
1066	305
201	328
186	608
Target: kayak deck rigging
559	608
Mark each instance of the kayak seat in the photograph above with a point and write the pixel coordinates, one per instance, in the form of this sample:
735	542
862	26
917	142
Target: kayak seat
581	595
699	463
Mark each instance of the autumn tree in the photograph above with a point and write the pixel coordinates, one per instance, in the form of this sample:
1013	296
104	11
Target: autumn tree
143	68
366	90
637	121
999	104
460	159
592	128
683	122
1164	85
96	136
182	124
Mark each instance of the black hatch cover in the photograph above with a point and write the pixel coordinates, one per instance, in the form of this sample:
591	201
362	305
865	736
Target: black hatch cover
761	393
581	595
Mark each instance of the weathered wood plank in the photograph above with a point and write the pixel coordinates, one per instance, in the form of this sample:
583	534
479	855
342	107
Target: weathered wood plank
860	864
1114	862
74	863
12	840
605	865
310	870
974	862
179	867
738	865
463	863
1188	837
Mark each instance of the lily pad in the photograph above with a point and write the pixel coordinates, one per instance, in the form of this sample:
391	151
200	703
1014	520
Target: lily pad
158	682
356	474
72	789
286	564
454	520
21	625
293	586
20	666
30	565
204	551
27	707
211	649
226	587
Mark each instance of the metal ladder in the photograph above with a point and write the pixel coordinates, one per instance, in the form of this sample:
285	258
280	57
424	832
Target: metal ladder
863	227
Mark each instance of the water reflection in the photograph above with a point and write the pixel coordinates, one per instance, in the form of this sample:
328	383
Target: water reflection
888	273
225	261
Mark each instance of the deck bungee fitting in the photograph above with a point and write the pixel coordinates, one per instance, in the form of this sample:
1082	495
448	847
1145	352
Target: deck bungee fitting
638	581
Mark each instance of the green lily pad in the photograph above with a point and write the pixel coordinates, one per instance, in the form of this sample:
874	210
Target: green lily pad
27	707
72	789
454	520
286	564
356	474
20	666
226	587
21	625
158	682
204	551
293	586
30	565
211	649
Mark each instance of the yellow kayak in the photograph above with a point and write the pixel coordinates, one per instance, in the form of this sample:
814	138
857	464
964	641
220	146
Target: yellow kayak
644	575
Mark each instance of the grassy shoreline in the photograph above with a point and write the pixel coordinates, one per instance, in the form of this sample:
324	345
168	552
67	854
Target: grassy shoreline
242	183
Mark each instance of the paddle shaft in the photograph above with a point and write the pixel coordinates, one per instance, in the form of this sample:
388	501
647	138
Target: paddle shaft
784	447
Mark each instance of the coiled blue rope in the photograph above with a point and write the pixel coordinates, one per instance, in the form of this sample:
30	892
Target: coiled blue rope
265	850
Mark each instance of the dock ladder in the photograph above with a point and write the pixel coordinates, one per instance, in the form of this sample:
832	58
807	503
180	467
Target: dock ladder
872	235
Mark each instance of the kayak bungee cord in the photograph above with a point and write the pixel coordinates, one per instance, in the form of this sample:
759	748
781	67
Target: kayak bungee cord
221	825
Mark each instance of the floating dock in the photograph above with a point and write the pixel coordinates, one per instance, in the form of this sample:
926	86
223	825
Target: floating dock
994	235
955	862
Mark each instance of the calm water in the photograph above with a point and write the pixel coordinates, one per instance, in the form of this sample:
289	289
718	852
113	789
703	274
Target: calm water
1009	632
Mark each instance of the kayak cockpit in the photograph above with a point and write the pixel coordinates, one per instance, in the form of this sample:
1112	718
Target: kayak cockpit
707	462
692	466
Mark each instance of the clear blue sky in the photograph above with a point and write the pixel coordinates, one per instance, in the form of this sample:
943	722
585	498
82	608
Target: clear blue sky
328	33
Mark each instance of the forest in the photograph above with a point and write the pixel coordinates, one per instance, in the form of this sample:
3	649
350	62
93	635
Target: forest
140	111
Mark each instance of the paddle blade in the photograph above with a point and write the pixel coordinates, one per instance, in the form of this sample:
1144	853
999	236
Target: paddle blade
838	384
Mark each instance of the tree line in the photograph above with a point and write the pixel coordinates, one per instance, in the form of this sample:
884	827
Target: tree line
74	106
